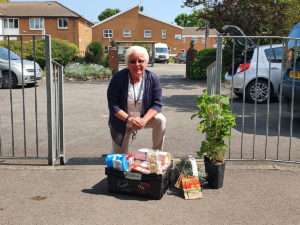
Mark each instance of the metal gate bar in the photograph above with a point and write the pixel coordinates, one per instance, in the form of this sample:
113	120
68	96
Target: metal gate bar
55	131
218	82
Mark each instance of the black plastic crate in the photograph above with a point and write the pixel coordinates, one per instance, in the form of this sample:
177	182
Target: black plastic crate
147	185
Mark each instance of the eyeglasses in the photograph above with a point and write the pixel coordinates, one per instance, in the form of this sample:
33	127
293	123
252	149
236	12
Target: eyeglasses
133	62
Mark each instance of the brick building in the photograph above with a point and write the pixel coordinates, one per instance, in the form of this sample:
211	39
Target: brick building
45	18
133	25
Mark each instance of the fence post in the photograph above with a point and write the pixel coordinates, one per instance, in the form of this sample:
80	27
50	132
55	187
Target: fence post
50	104
219	65
61	114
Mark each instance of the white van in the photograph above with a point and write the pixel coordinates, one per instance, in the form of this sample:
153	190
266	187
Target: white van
161	52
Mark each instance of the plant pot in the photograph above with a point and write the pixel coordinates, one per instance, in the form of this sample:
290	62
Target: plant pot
215	174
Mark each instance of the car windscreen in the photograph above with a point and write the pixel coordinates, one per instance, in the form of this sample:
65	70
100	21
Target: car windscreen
161	50
4	54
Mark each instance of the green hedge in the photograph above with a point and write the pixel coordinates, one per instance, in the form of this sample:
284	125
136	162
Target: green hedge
62	52
204	58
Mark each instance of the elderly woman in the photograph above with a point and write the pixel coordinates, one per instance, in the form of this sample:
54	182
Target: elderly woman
135	100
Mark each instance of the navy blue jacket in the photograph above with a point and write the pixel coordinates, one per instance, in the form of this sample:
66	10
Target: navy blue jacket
117	94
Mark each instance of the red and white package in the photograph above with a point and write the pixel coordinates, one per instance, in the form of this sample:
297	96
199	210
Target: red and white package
140	169
130	159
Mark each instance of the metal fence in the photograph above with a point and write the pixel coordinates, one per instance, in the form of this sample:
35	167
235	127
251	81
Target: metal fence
19	139
267	131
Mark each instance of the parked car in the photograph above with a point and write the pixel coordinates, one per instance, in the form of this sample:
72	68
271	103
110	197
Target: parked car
266	54
289	74
16	70
180	57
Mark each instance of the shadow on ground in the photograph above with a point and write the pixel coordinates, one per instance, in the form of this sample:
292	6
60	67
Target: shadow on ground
86	161
101	189
182	103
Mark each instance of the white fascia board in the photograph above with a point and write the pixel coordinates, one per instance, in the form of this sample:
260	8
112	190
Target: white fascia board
116	15
161	21
199	35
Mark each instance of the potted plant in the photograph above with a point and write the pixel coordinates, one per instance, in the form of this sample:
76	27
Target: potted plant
216	119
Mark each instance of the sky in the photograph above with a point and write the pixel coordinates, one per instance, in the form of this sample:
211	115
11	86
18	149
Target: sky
165	10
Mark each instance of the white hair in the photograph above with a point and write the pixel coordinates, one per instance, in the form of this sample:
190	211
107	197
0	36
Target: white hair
139	50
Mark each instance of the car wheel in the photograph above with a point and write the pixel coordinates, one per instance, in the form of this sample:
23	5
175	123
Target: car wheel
9	82
262	91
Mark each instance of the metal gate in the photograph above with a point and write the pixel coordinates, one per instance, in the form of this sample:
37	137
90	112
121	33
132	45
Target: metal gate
267	131
30	128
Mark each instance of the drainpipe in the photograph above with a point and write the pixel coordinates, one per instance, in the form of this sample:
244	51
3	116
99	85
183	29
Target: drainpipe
74	32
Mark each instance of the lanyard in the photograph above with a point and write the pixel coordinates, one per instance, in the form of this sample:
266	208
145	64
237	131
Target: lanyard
140	91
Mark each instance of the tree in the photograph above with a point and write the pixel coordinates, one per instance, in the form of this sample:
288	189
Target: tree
4	0
108	13
190	20
265	17
94	53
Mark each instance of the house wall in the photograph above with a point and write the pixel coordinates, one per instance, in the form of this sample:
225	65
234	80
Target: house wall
85	36
74	33
137	23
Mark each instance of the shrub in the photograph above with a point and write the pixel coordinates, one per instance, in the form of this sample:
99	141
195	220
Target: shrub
94	53
204	58
83	71
62	52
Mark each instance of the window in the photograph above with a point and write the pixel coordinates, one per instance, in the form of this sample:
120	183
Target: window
11	23
86	45
195	39
85	25
36	23
275	56
169	49
127	33
107	33
147	33
203	40
106	49
63	23
177	36
163	34
182	40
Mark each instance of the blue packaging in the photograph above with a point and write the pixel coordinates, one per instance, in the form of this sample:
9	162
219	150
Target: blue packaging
117	161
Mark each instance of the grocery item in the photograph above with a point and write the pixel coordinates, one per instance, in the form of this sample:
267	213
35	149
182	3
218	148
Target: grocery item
194	166
164	157
191	188
130	159
117	161
140	169
155	163
142	154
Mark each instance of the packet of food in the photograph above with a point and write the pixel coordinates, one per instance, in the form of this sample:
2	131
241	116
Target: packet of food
142	154
192	188
117	161
178	183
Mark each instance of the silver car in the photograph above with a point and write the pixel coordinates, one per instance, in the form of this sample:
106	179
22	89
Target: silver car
14	78
265	56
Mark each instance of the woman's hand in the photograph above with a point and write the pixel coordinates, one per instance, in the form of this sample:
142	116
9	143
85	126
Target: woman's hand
137	123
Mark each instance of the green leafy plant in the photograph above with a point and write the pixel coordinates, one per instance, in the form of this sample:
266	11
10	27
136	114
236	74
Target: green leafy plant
204	58
94	53
184	166
216	119
79	71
